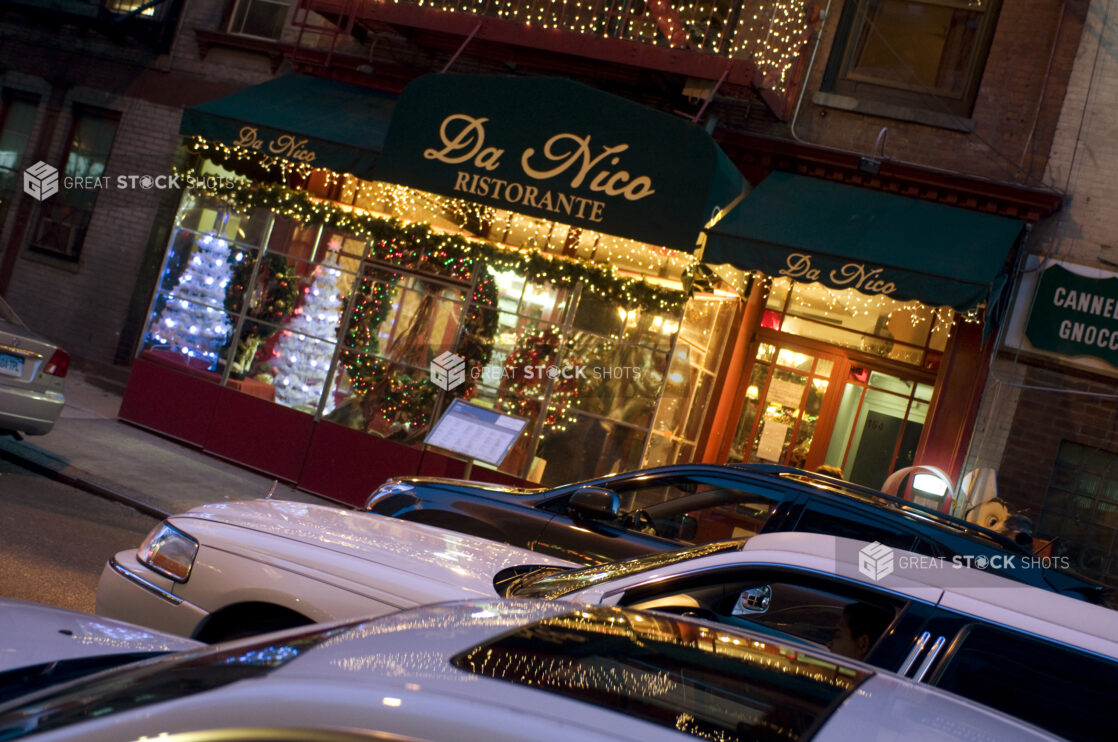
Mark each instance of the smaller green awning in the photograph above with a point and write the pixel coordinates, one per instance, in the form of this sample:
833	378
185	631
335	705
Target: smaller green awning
321	122
844	236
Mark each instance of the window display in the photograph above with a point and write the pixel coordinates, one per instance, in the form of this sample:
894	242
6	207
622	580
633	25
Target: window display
337	307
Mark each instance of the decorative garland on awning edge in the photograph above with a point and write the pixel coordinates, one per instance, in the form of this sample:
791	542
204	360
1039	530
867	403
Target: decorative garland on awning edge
393	239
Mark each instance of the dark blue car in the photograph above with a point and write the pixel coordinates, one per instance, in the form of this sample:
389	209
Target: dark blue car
640	512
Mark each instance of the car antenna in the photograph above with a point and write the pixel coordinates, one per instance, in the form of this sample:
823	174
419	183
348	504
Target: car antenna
272	491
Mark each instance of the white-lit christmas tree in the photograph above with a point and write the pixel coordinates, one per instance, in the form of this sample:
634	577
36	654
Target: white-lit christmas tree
302	354
193	321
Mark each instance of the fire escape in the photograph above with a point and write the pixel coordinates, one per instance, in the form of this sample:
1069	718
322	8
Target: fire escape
664	48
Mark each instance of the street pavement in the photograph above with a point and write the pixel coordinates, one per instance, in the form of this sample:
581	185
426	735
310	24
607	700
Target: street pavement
91	449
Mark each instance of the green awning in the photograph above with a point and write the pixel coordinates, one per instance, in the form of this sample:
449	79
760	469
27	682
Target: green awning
321	122
562	151
849	237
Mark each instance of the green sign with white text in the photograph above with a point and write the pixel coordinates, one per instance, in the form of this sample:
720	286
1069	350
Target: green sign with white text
1075	315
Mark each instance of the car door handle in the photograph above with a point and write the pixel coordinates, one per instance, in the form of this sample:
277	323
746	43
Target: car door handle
921	641
932	653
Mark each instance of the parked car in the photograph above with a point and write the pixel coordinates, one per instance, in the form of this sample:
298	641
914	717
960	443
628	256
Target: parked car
219	570
507	670
651	510
42	645
32	374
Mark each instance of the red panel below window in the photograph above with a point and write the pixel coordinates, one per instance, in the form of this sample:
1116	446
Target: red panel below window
259	434
180	405
347	465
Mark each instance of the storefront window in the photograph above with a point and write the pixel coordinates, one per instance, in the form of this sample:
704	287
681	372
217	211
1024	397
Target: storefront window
878	325
690	379
192	316
344	326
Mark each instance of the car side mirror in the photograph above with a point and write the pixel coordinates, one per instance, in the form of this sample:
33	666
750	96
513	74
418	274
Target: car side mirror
688	527
595	503
754	600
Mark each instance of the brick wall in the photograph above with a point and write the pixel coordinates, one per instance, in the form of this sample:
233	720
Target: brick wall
1056	405
86	303
1082	161
1084	156
1015	111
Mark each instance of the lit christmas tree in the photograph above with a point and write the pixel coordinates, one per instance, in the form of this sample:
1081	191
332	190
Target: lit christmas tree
192	322
302	358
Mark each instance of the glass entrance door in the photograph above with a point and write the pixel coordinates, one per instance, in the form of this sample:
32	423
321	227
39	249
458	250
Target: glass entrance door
807	408
786	395
877	425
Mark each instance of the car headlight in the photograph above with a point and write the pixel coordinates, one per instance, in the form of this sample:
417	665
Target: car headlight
169	551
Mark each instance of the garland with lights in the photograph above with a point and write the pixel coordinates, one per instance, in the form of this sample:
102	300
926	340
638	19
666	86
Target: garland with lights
480	331
249	162
402	243
274	295
529	369
364	367
401	398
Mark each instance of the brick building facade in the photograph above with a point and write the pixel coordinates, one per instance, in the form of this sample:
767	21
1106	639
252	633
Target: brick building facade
1005	120
1048	419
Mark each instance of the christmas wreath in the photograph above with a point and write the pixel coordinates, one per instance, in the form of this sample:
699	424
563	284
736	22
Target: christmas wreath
529	369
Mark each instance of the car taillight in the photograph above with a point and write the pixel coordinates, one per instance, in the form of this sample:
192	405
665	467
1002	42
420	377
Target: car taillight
58	364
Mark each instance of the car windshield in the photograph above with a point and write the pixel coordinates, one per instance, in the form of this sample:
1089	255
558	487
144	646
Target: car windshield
152	681
24	680
710	683
548	585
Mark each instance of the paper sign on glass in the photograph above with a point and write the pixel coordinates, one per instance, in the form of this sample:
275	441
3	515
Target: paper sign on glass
772	441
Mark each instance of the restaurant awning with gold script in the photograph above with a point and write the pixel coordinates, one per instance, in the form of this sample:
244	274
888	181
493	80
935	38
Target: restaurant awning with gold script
562	151
844	236
306	119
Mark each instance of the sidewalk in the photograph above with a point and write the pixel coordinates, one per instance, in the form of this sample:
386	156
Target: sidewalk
92	450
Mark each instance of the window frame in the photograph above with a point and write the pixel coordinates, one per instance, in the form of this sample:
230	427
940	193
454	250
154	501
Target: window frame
840	89
847	589
235	7
65	200
8	98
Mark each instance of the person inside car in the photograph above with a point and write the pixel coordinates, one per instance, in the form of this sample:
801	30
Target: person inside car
859	627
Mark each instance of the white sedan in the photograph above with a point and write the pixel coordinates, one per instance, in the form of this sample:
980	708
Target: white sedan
32	376
502	671
42	645
236	568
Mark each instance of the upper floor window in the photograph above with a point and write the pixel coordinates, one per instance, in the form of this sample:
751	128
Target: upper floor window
892	55
65	216
142	8
17	119
263	18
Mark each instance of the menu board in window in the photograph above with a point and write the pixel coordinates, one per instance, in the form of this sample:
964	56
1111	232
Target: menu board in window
476	432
